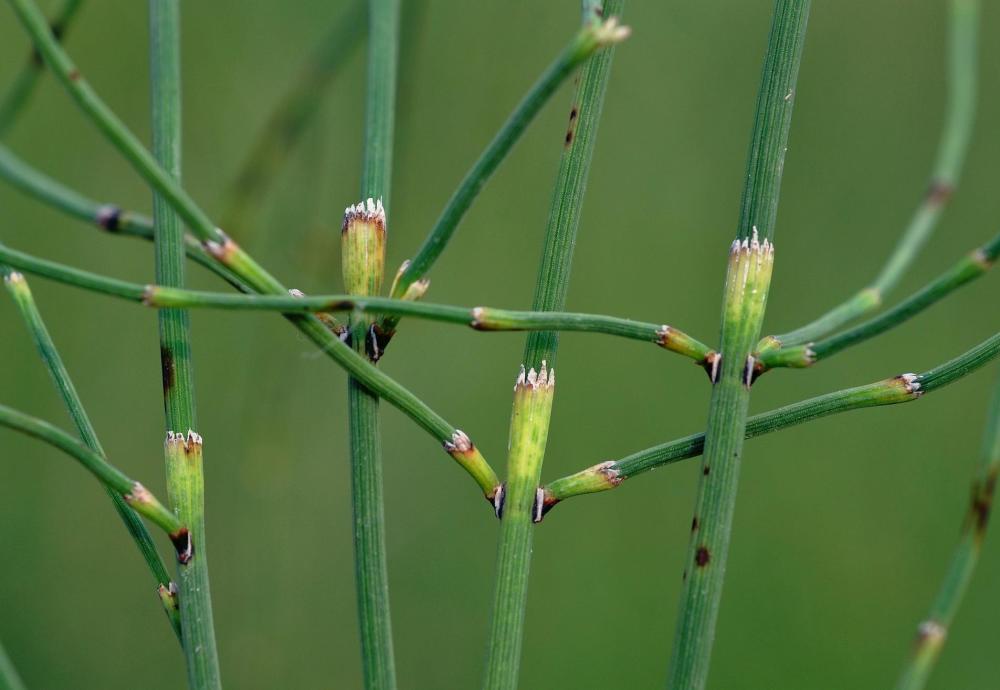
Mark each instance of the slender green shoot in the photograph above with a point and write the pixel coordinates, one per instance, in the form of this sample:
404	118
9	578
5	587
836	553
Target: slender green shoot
517	504
898	389
747	284
19	93
363	247
21	292
933	631
967	269
138	497
183	458
10	679
955	135
288	120
592	37
107	217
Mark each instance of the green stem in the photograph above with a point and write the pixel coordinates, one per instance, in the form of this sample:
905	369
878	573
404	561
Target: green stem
955	135
592	37
967	269
933	631
363	267
517	506
9	677
747	285
135	495
477	318
108	217
21	292
185	478
289	119
903	388
19	93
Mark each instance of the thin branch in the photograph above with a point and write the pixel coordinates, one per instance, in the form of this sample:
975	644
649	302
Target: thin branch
955	135
898	389
23	299
9	677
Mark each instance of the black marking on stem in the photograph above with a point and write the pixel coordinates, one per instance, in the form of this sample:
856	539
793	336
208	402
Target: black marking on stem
705	470
376	342
694	524
498	501
538	506
183	545
982	504
702	557
712	364
167	368
749	374
548	503
109	217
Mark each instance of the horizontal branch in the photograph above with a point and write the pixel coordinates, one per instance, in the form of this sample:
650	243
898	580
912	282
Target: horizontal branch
967	269
134	493
903	388
479	318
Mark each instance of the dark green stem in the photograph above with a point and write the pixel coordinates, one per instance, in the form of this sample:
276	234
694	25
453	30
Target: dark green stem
185	478
532	408
363	269
747	285
9	677
25	302
933	631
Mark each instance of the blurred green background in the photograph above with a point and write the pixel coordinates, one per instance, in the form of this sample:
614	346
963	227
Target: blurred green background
843	526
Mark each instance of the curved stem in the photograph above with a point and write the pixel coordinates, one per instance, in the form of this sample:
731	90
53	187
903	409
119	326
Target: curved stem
954	143
967	269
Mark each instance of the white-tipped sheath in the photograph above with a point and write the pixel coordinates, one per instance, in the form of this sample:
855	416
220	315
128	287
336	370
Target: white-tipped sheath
369	211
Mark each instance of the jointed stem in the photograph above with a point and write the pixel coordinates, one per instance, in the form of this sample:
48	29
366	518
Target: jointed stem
25	302
518	506
745	299
185	478
364	262
933	631
955	135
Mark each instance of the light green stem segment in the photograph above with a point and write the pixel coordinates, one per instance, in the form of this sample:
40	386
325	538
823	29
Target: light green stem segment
18	94
183	451
520	501
933	631
955	135
518	508
363	255
9	677
745	299
21	292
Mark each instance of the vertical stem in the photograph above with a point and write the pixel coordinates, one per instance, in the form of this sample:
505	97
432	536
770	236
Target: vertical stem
363	267
525	458
745	299
183	457
933	631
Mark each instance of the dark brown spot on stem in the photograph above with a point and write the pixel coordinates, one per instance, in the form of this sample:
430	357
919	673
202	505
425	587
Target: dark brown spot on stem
572	114
109	217
702	557
694	524
706	470
74	74
939	192
982	504
183	545
167	368
569	137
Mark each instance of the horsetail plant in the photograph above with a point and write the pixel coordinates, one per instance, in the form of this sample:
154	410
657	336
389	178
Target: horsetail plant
357	342
182	451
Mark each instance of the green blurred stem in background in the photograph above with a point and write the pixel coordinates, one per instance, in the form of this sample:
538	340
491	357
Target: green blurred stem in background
9	677
363	256
19	93
21	292
956	132
747	284
183	458
933	631
518	504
